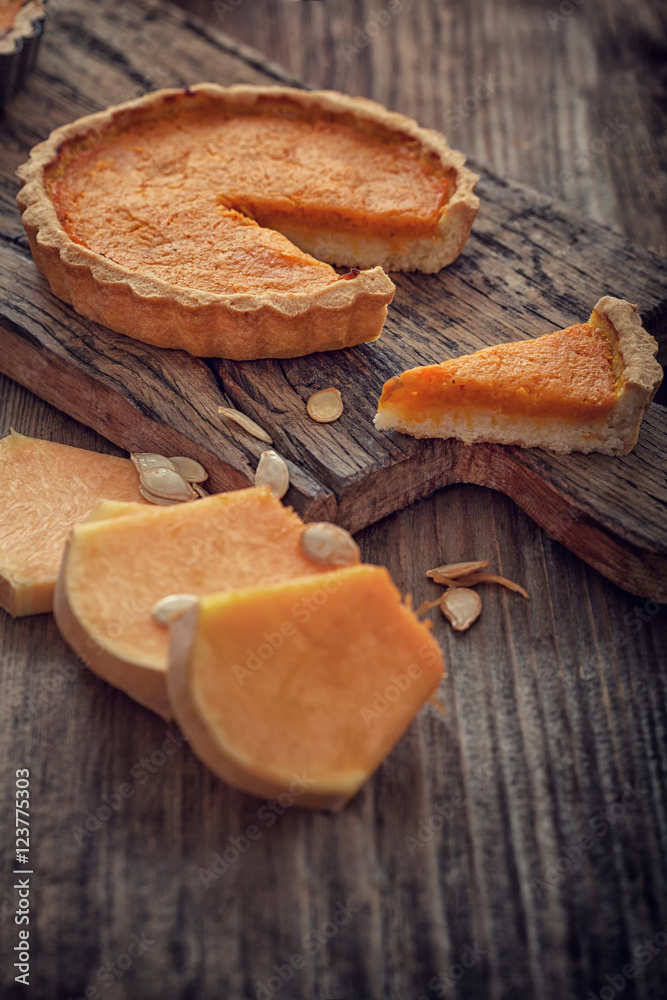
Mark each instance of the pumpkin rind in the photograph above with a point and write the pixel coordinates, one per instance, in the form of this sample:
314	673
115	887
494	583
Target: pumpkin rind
120	562
46	488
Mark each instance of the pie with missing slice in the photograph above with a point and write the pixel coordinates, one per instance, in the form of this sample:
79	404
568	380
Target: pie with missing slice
585	389
209	218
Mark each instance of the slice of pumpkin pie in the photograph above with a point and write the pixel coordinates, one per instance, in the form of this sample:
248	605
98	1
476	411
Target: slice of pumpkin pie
209	218
585	388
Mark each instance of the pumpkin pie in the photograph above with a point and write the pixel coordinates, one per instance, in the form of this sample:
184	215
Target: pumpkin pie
209	218
17	22
585	389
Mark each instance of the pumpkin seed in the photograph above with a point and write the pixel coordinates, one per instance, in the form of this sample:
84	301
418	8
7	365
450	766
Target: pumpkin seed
152	498
475	578
325	406
329	545
451	571
247	423
197	488
272	472
166	483
170	607
461	607
189	469
151	461
426	606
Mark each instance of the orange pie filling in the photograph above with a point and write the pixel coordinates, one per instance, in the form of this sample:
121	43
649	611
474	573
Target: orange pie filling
569	375
8	11
195	198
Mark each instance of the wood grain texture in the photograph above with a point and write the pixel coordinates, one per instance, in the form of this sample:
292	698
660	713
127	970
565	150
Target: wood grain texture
553	705
551	83
610	512
529	267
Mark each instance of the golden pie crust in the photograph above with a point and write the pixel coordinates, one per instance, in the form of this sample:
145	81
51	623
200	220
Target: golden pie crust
208	218
585	389
17	22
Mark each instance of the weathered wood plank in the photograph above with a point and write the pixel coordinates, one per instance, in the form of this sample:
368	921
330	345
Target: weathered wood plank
125	392
529	266
517	277
523	88
552	705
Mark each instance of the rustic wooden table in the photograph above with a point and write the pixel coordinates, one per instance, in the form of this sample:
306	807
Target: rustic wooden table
515	847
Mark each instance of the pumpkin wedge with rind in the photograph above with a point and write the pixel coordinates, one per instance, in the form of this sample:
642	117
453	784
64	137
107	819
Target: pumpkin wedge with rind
306	684
120	562
45	488
585	389
188	218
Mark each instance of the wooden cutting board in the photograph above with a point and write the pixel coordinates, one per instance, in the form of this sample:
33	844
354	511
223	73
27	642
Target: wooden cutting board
530	267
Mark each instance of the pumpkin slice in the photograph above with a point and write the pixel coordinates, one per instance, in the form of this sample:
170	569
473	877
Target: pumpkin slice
301	687
45	488
107	510
585	388
122	561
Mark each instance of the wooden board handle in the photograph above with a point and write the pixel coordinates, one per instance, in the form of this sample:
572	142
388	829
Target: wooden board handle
609	511
612	512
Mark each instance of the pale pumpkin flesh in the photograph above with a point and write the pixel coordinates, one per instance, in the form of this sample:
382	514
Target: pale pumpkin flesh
116	569
46	488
